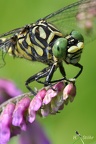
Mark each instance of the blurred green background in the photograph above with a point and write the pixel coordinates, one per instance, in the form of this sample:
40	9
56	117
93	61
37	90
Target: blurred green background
79	115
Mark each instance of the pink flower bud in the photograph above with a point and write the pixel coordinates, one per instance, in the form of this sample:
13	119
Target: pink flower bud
69	92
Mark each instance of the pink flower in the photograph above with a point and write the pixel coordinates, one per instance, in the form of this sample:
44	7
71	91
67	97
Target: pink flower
36	104
34	134
69	93
20	112
53	99
7	90
5	123
13	119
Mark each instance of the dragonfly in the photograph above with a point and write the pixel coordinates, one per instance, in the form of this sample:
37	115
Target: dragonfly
58	37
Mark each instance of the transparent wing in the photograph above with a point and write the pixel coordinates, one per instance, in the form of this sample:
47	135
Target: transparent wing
2	59
2	52
12	32
80	16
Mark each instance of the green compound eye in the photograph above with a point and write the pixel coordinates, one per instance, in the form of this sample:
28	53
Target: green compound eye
77	35
59	48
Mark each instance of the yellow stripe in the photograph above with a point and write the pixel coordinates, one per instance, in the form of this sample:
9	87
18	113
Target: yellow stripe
38	50
42	33
39	43
28	40
52	35
33	30
10	50
21	53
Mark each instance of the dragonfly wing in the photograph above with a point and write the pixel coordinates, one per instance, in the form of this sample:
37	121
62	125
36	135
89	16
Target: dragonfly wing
12	32
80	16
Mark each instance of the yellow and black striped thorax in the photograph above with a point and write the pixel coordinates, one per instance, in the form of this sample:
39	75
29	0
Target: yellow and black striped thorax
35	42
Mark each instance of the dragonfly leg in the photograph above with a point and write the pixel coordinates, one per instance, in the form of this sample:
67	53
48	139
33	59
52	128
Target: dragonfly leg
36	77
64	74
81	69
50	75
62	71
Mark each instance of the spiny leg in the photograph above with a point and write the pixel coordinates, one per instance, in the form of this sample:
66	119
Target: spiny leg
46	72
62	71
52	70
50	75
81	69
36	77
61	68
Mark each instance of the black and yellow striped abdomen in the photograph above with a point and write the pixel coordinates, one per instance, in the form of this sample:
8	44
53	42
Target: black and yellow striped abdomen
34	42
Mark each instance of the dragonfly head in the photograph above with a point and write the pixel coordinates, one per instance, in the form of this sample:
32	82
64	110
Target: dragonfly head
69	48
75	46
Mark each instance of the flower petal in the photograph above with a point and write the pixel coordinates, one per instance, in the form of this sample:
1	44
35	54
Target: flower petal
18	115
69	90
5	123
